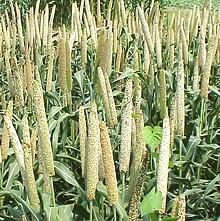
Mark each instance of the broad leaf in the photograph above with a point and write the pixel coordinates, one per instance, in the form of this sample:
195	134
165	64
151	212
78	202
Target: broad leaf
152	136
151	202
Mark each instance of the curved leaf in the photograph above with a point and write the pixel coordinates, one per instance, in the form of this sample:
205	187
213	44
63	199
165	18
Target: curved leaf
65	173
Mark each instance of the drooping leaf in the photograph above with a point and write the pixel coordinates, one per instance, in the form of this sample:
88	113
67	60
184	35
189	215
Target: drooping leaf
65	173
15	194
53	111
128	72
13	171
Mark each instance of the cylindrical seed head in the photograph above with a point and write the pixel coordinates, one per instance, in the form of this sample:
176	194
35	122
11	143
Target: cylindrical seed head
16	144
126	126
207	69
43	129
50	69
163	105
110	174
173	120
5	133
68	67
31	186
179	208
82	139
163	166
62	64
84	49
180	100
92	152
146	31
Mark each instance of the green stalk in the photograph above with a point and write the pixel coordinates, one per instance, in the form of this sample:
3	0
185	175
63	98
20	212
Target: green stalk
52	192
201	116
91	206
1	181
180	169
123	188
114	212
102	204
72	131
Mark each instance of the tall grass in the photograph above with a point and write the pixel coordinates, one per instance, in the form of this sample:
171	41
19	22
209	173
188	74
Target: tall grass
113	115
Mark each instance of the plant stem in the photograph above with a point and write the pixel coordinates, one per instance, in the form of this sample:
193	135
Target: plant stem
102	204
180	158
52	192
201	117
114	212
91	206
123	188
72	131
1	181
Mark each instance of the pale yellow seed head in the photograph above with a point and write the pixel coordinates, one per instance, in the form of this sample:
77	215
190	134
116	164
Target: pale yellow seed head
173	121
163	166
104	52
84	49
16	144
180	96
43	129
126	127
50	69
31	186
171	50
146	59
29	72
62	64
82	138
104	94
196	76
20	29
207	69
179	208
68	67
146	31
5	133
33	143
92	152
108	160
163	105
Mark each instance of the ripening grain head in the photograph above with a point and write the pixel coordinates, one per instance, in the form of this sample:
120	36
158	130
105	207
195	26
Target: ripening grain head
82	138
110	174
207	68
92	152
43	130
126	127
31	186
180	101
179	208
163	166
62	64
5	133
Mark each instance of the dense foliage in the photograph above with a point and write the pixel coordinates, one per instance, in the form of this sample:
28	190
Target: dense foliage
152	76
